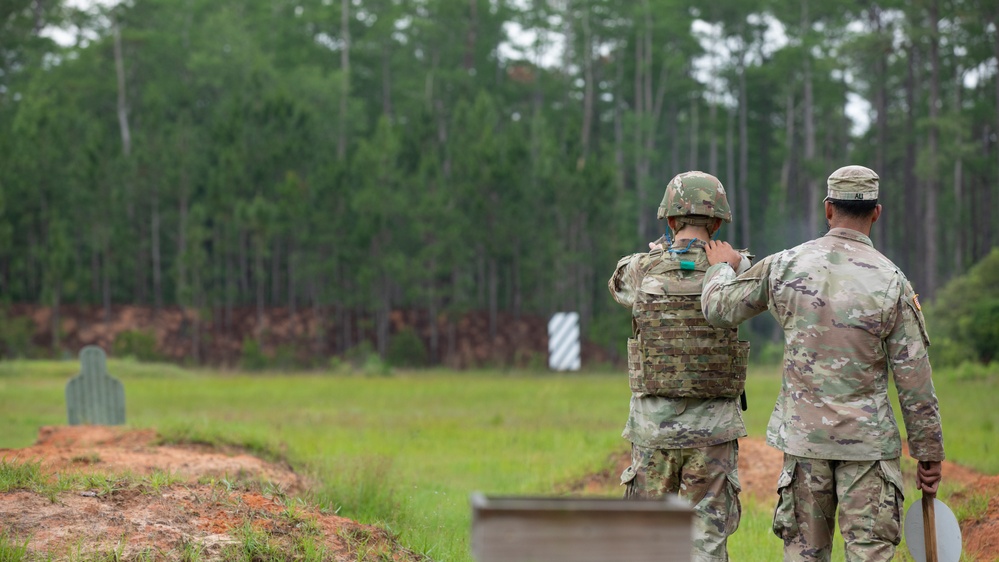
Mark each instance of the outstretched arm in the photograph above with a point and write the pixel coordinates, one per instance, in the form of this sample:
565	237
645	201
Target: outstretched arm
728	300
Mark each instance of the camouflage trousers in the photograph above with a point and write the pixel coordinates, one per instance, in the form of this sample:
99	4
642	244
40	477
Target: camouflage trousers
707	477
868	495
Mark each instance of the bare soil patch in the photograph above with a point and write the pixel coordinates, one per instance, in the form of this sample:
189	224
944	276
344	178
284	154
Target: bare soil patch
217	499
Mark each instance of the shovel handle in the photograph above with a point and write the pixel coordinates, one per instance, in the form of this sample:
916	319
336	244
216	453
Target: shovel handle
929	527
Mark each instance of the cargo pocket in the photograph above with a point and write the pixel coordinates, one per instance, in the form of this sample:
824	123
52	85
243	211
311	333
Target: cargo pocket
735	505
888	511
628	481
785	525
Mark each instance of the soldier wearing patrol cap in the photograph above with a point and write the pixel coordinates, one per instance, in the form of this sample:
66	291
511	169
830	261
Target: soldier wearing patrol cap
850	317
686	377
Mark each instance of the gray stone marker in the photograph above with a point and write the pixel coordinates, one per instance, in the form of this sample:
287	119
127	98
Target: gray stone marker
510	529
94	397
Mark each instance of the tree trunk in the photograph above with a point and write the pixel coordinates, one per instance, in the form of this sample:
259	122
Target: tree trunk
276	272
587	90
730	157
674	137
912	216
493	283
230	288
39	9
471	34
198	301
619	131
382	315
244	268
140	264
317	332
259	280
960	242
695	129
182	246
713	128
291	279
106	280
640	194
56	325
881	107
811	184
991	235
341	145
933	181
119	65
156	257
740	205
95	267
789	147
387	81
433	311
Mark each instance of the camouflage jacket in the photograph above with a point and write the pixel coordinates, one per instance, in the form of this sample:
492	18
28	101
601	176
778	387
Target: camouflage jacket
849	315
672	423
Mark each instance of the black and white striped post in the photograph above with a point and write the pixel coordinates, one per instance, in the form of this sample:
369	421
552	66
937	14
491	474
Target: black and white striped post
563	341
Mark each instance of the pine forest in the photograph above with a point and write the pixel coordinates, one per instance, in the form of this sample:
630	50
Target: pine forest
356	158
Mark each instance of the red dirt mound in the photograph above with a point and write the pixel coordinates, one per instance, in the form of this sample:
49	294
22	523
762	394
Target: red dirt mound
213	502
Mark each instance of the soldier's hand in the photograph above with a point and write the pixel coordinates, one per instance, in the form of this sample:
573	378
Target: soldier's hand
722	252
928	475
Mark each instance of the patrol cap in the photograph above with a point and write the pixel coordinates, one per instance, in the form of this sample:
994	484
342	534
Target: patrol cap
852	183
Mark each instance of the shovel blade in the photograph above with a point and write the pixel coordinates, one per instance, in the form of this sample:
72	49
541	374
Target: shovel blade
948	532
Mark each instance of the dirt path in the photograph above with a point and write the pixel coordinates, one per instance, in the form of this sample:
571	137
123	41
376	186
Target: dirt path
254	498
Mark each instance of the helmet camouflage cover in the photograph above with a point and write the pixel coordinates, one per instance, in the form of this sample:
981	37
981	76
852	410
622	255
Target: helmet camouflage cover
695	193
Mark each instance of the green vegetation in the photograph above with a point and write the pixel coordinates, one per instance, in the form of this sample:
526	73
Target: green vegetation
16	333
355	158
136	344
406	451
12	550
964	320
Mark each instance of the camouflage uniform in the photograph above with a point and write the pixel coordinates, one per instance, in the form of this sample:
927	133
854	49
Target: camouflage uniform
684	446
849	316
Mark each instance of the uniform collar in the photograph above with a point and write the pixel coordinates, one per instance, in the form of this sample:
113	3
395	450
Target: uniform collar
850	234
683	242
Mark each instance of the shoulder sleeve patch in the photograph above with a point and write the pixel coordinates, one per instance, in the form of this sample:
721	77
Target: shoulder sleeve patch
911	298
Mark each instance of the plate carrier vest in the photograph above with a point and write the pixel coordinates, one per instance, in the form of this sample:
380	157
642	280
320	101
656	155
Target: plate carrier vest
674	352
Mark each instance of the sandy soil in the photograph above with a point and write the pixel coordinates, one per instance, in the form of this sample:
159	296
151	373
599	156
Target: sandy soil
195	511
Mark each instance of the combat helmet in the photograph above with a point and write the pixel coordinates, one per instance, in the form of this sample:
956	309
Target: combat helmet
695	193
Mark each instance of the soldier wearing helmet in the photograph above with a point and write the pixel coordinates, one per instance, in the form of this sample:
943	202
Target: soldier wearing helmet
686	377
851	321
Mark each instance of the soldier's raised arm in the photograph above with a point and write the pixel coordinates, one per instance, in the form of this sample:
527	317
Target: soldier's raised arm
729	299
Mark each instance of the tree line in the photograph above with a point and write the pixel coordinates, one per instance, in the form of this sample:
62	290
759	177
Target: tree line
360	156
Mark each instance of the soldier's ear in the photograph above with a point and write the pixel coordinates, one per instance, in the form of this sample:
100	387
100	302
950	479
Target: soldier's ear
716	227
877	213
829	210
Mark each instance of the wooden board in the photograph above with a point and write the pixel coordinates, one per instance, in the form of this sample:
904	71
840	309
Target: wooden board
537	529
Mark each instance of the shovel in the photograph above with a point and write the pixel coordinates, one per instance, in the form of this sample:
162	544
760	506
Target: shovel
931	531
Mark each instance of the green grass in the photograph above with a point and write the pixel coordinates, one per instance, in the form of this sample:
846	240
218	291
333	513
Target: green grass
405	451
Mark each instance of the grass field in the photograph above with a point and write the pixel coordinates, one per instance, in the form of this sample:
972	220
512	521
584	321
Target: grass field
405	451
